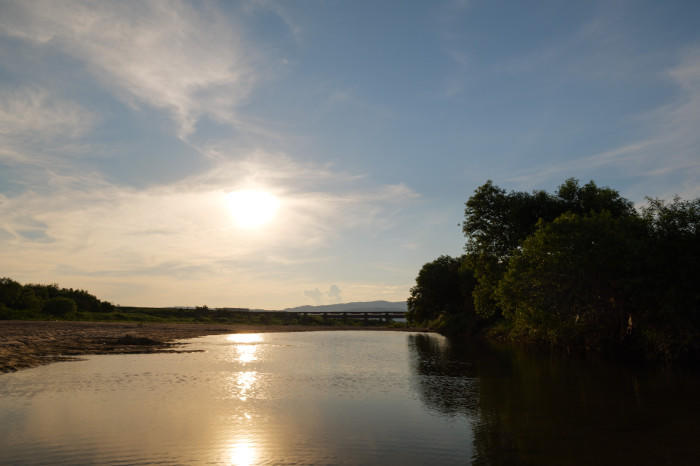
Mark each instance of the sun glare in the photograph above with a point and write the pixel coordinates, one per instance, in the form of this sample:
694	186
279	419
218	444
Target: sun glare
243	453
252	209
245	338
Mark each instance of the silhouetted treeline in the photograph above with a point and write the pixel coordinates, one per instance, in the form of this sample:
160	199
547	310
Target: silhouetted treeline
42	302
19	301
579	269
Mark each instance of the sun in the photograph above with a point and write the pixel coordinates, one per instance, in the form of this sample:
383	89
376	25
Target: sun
252	209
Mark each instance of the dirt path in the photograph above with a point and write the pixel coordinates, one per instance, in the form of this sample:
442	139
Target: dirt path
25	344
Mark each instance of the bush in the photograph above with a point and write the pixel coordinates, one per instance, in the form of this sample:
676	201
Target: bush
575	280
60	306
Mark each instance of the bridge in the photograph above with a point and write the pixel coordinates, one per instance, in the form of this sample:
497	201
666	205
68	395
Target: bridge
360	315
346	315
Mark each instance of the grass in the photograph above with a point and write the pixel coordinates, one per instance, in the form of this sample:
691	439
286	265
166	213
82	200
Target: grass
176	315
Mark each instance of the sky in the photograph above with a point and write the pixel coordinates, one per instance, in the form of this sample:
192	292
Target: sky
127	128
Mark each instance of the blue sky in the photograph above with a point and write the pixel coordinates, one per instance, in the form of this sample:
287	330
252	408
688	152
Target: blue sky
124	125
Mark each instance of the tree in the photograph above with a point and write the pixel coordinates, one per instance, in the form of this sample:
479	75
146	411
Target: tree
496	223
574	280
27	300
672	297
60	306
487	271
485	220
33	298
590	198
10	291
443	294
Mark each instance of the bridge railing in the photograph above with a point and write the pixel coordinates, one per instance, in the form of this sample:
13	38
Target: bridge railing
356	315
353	315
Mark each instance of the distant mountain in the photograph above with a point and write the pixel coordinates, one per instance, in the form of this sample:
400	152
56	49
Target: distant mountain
370	306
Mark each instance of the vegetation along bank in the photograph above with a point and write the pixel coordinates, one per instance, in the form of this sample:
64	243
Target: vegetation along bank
578	269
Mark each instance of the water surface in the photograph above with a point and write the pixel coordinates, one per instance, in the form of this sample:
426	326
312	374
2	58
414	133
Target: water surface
344	398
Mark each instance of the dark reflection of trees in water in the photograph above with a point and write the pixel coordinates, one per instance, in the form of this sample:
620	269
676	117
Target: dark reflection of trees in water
445	382
447	376
529	408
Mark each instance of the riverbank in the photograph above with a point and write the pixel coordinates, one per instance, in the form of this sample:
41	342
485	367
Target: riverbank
25	344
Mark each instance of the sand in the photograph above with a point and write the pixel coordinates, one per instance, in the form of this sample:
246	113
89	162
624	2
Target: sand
25	344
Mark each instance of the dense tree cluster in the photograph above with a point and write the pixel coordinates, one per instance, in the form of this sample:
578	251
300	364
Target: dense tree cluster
580	268
19	301
442	296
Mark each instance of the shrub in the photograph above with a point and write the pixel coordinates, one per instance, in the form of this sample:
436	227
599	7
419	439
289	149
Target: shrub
60	306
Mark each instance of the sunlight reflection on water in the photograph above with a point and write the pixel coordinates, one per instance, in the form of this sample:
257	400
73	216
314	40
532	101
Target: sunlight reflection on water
246	346
356	397
244	384
246	353
312	398
245	338
243	453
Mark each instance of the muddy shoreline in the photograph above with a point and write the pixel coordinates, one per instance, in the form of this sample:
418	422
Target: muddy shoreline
25	344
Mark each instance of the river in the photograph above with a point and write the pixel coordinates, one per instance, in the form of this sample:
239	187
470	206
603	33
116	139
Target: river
358	397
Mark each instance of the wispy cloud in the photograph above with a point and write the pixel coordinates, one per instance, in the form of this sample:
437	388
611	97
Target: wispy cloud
173	241
167	54
184	231
34	123
618	156
34	112
665	157
282	10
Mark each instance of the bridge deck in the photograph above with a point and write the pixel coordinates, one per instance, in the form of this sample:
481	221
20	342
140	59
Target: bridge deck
338	315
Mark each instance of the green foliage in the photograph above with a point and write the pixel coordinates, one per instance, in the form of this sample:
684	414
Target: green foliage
10	292
576	268
442	296
590	198
60	306
487	271
496	224
29	301
485	221
7	313
37	302
573	281
671	292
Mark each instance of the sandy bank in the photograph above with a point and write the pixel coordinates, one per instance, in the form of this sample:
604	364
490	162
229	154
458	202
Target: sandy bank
25	344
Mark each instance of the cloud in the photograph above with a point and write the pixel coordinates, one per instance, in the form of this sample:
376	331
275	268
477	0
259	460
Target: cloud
282	10
314	294
170	55
334	294
71	224
665	157
184	231
618	156
35	123
34	112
